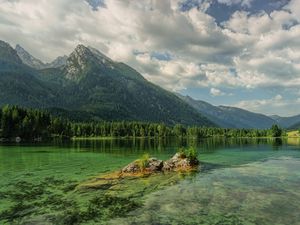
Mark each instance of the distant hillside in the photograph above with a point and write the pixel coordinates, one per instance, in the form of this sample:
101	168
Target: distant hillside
230	117
287	122
90	85
295	126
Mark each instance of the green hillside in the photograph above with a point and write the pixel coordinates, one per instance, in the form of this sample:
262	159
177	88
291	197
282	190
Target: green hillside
92	86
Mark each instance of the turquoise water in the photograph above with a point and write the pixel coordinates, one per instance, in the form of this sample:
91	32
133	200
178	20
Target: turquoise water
244	181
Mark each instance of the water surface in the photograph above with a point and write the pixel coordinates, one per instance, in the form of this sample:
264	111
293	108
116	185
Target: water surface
240	181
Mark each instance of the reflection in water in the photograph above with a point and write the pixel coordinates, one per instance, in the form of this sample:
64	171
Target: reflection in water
293	141
140	145
161	144
276	143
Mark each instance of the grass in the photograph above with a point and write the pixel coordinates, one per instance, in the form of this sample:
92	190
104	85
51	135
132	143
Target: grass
294	133
191	153
143	162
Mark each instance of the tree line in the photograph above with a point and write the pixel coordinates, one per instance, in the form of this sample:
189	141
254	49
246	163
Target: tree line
32	124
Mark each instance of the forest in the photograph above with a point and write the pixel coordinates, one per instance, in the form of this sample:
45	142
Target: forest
34	124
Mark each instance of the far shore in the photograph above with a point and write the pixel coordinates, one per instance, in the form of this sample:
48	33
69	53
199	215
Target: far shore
184	137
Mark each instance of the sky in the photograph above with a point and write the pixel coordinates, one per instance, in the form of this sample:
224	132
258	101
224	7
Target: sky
243	53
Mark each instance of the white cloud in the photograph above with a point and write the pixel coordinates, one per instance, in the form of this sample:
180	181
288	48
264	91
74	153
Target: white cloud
271	106
244	3
216	92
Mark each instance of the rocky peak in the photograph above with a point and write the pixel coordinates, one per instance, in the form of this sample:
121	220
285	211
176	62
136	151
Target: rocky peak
81	49
28	59
80	56
83	59
8	54
78	62
4	44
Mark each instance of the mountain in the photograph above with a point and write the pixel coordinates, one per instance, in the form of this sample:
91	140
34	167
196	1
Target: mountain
35	63
295	126
7	54
113	90
9	59
91	85
18	83
287	122
230	117
211	112
58	62
246	119
29	59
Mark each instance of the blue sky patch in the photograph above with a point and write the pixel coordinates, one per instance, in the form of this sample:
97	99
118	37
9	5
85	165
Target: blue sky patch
96	4
222	12
162	56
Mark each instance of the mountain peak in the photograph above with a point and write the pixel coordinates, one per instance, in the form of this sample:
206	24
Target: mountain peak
81	54
4	44
83	59
28	59
78	62
88	51
8	54
81	48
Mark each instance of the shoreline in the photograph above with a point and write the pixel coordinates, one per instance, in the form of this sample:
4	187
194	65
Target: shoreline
129	138
13	140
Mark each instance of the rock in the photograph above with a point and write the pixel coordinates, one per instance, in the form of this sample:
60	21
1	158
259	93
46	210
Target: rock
152	165
155	165
179	161
132	168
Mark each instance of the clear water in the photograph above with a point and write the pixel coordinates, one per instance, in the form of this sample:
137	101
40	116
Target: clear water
244	181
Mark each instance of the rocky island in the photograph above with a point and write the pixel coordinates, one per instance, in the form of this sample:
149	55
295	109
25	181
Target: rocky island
179	162
182	161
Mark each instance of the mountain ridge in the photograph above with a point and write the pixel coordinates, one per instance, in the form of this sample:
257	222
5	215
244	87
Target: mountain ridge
92	83
230	117
36	63
87	81
286	122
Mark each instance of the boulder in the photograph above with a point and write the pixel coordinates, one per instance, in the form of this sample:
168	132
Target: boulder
179	161
152	165
155	165
132	168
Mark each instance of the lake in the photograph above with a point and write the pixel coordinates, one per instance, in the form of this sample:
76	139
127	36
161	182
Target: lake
240	181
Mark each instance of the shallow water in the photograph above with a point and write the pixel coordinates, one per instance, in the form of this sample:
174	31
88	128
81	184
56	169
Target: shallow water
244	181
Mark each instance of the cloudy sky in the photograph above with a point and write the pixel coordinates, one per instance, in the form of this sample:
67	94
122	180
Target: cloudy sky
243	53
